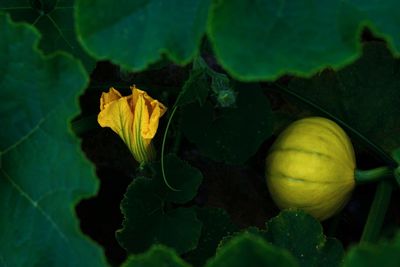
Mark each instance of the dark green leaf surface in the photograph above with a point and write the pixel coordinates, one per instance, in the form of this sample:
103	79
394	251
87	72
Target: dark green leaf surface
197	86
216	225
230	134
381	16
55	21
251	251
372	255
42	171
137	33
181	176
302	235
202	78
251	230
149	218
365	95
263	39
396	157
156	256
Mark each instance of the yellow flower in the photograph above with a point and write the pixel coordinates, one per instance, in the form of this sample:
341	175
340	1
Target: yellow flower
134	118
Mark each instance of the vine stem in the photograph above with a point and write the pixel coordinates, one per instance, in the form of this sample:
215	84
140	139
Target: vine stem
377	212
163	148
373	175
380	203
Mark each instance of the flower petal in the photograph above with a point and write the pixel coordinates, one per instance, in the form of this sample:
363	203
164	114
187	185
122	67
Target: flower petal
118	116
134	118
142	149
157	110
107	98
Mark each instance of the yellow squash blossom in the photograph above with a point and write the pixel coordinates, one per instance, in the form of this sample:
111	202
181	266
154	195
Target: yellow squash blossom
134	118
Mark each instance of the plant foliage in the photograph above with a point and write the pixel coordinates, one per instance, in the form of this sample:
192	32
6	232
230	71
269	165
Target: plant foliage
236	72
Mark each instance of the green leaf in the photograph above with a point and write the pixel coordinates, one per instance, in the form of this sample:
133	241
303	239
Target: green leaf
216	225
201	79
157	256
302	235
149	217
181	176
137	33
251	251
55	21
382	18
264	39
371	255
230	134
43	174
251	230
396	157
197	86
364	95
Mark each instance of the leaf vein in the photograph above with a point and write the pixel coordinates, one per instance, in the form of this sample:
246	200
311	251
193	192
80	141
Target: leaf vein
25	137
35	204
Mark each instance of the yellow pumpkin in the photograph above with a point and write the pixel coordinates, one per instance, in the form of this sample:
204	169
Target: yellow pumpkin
311	167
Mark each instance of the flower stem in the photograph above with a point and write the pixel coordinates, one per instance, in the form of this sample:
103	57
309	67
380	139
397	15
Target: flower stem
377	212
373	175
162	150
178	139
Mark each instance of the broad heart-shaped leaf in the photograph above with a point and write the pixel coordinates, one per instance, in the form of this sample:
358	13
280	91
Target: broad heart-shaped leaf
55	21
137	33
216	225
156	256
382	17
42	171
372	255
263	39
365	95
302	235
149	217
251	251
230	134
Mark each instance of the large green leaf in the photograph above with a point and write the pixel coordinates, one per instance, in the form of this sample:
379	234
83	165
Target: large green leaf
251	251
230	134
302	235
216	225
137	33
300	37
365	95
381	16
55	21
42	171
149	217
156	256
372	255
264	39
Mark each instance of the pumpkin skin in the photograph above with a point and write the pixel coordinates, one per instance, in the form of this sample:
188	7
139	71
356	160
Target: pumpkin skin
311	167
